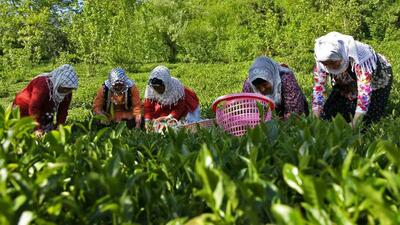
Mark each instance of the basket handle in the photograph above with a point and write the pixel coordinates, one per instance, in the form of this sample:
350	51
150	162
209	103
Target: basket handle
243	95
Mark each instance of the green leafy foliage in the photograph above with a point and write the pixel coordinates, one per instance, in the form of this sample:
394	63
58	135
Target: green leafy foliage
129	33
301	171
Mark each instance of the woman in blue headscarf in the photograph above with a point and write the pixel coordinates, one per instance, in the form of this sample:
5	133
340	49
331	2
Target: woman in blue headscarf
277	82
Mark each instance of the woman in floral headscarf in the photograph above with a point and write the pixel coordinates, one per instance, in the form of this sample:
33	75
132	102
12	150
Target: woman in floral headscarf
166	97
119	99
361	79
46	95
277	82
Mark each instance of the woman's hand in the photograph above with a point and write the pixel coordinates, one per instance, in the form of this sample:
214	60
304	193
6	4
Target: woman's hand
357	118
138	120
316	113
163	118
148	125
39	133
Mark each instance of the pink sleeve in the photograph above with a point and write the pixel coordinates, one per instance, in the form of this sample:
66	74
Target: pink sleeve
364	90
318	98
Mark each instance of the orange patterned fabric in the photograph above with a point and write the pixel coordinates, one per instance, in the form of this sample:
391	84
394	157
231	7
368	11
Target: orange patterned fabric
118	105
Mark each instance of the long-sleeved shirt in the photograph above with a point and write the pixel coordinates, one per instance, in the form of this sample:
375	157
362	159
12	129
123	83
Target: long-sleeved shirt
292	99
362	91
118	104
34	100
154	110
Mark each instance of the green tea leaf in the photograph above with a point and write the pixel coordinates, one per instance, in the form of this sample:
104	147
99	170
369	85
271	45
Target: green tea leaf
291	175
286	215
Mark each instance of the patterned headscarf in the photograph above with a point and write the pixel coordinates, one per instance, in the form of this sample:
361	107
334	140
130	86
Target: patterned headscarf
337	46
63	76
118	75
268	70
174	90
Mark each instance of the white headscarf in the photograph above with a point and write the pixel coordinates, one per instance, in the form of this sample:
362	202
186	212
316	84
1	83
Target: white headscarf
63	76
174	90
118	75
337	46
268	70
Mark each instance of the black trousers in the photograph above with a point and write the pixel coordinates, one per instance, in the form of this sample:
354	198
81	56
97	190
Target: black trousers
337	103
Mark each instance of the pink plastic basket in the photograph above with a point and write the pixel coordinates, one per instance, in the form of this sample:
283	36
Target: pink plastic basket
235	113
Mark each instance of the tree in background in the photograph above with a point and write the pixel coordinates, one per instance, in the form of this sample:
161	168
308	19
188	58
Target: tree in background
32	32
128	33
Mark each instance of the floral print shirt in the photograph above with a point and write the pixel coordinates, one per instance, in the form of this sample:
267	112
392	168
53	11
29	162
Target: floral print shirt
362	91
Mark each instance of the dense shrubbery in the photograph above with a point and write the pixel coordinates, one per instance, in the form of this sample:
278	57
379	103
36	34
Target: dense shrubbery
303	171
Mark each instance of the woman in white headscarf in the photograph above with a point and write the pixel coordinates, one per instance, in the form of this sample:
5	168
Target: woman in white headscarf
118	99
277	82
48	95
166	97
361	79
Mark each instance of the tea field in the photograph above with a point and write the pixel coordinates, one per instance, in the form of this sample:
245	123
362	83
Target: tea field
301	171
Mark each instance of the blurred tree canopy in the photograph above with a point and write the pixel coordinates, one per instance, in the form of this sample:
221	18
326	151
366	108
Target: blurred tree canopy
128	33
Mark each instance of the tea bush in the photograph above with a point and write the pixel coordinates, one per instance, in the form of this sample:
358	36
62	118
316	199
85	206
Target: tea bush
302	171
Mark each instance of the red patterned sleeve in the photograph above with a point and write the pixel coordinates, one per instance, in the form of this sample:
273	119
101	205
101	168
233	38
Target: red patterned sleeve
149	109
39	98
63	109
179	109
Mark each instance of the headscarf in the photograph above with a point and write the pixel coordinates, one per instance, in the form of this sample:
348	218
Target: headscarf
63	76
118	75
337	46
174	90
268	70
